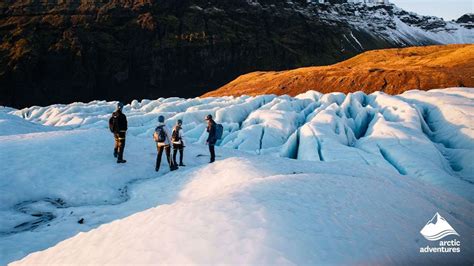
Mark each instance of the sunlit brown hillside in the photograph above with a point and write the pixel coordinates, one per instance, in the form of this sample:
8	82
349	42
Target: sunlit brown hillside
391	70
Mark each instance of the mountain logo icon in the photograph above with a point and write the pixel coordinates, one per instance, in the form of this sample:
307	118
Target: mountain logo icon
437	228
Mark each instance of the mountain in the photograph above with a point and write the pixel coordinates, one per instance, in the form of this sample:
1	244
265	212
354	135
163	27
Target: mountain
69	51
392	71
466	20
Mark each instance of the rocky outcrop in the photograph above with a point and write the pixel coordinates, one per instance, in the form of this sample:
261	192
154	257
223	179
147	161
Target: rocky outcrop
392	71
65	51
466	20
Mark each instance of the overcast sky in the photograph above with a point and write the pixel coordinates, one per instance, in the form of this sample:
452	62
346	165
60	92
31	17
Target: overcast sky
447	9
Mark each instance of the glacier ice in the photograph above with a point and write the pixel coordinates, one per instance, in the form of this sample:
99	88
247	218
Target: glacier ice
427	135
410	153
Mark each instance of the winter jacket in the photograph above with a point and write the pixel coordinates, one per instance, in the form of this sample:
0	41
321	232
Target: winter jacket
179	139
118	123
211	129
167	134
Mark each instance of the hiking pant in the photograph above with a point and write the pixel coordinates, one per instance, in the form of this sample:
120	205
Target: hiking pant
119	144
213	152
160	149
176	148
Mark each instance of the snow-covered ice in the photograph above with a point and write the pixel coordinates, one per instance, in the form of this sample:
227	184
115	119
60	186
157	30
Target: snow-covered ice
370	171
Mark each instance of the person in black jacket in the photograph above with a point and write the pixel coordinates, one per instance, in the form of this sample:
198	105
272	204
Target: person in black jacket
212	138
118	125
178	143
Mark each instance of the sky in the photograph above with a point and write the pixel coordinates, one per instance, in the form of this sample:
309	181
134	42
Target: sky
447	9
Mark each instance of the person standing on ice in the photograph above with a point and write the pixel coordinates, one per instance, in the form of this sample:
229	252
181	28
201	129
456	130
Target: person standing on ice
178	144
118	125
162	139
212	138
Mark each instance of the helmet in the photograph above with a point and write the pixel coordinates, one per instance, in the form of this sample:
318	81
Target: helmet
119	106
179	121
208	117
161	119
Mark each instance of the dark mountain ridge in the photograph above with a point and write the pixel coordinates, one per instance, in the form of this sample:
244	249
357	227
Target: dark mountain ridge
66	51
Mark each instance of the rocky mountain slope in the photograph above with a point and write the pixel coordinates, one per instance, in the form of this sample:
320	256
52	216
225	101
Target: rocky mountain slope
68	51
391	70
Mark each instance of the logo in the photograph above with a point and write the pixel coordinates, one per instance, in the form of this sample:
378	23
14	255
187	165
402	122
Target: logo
436	229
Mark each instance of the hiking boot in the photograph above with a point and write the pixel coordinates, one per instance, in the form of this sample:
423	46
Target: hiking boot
157	169
182	164
121	161
115	153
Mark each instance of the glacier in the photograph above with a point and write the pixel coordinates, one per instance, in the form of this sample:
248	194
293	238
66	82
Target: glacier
316	178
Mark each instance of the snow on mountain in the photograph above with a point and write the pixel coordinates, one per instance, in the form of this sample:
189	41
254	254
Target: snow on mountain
369	171
380	19
388	22
396	25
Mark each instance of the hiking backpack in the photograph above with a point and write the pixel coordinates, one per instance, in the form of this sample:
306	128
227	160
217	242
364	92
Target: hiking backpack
113	123
160	135
219	131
